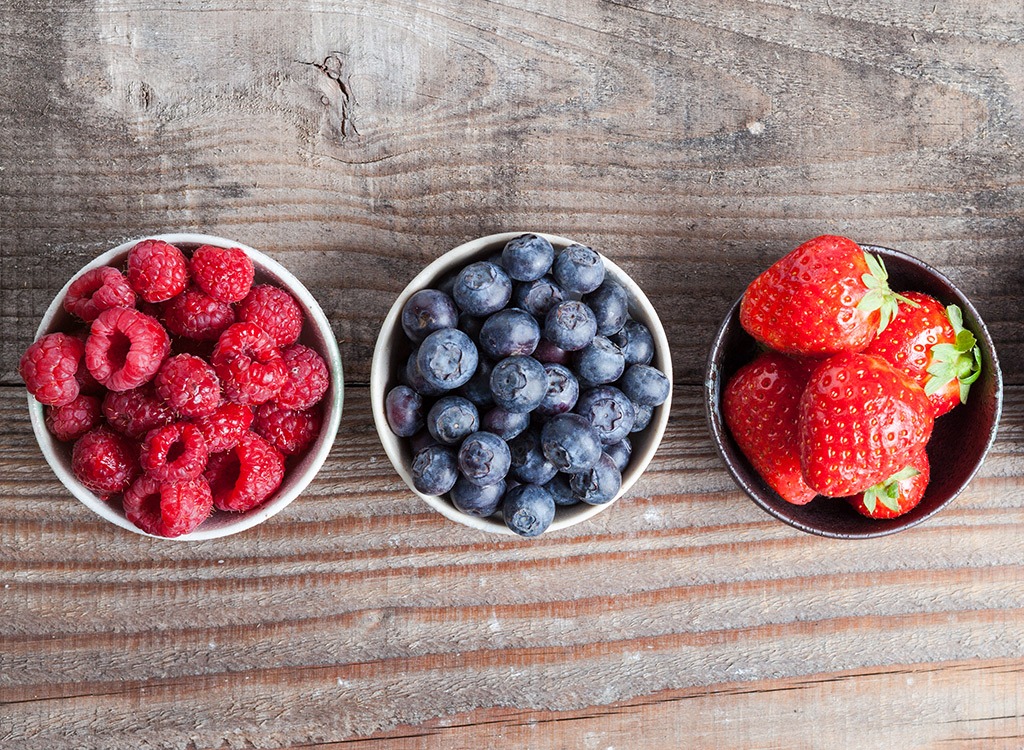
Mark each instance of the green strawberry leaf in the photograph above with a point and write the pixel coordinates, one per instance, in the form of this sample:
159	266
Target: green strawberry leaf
879	296
888	492
960	361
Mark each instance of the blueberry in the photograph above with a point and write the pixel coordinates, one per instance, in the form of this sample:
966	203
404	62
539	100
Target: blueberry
427	311
528	510
579	269
509	332
505	424
422	439
484	458
538	296
447	359
470	325
529	465
560	490
452	418
608	411
474	500
600	362
482	288
610	305
570	443
528	257
570	325
518	383
547	352
620	453
645	385
412	377
636	343
643	417
434	470
597	485
563	390
404	408
478	388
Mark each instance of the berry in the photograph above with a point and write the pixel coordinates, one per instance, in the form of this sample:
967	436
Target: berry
224	273
609	412
860	422
528	510
474	500
452	418
482	288
248	364
570	325
188	385
273	310
105	462
447	359
635	342
599	484
826	296
223	429
562	393
509	332
470	325
505	424
404	410
195	315
642	417
426	311
898	494
645	385
519	383
174	452
929	343
48	368
125	348
245	476
157	270
97	290
168	509
527	257
484	458
620	453
760	405
548	353
413	377
73	419
570	443
579	269
478	388
600	362
434	470
306	378
560	490
529	464
291	431
537	297
610	306
135	412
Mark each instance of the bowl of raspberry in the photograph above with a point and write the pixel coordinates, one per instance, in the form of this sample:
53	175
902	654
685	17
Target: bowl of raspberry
852	391
521	383
184	386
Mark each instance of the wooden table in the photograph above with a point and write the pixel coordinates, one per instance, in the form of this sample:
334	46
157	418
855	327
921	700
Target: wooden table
693	143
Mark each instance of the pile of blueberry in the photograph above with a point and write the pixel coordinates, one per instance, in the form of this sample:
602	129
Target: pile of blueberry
529	376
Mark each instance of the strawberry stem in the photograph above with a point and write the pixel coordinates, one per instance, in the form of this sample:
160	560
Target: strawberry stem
888	492
879	296
960	361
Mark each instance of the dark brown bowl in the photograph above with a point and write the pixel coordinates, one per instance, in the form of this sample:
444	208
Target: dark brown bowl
959	441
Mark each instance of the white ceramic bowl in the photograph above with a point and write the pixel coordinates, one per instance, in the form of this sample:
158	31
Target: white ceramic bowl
393	348
316	333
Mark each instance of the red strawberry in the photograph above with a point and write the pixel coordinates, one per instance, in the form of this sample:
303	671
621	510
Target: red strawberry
930	344
825	297
760	406
861	421
896	495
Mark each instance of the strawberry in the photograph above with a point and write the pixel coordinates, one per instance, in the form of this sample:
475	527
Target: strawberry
825	297
861	421
930	344
760	406
897	494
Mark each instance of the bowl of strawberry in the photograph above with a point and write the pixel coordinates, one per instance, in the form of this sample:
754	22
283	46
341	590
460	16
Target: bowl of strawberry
852	391
184	386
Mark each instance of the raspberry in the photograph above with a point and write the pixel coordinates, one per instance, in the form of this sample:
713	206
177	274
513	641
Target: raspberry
168	508
225	427
174	452
246	475
224	273
134	413
86	382
48	368
248	364
104	461
188	385
98	290
71	421
157	270
306	378
195	315
273	310
290	431
125	348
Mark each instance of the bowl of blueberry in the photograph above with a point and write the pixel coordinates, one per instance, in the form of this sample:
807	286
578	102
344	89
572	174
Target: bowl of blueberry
521	383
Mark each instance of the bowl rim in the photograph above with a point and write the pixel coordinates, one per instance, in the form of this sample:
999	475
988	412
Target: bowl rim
312	462
713	387
379	378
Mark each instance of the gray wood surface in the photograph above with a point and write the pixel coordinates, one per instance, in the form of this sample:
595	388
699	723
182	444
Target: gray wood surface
693	143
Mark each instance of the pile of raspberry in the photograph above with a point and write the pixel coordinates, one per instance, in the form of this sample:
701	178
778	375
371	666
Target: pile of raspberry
185	388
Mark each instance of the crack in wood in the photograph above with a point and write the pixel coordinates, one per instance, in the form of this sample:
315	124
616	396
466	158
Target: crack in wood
332	67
